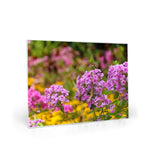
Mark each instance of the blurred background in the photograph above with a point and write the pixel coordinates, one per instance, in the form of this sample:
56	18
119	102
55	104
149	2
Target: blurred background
52	62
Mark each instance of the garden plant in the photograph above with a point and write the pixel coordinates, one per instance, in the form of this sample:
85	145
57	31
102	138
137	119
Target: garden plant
73	82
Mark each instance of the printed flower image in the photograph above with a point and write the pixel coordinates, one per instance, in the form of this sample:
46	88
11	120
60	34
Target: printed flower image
74	82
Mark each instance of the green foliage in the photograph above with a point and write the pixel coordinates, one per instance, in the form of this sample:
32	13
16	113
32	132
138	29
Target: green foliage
107	117
42	48
62	108
115	62
116	95
92	106
91	60
118	116
106	92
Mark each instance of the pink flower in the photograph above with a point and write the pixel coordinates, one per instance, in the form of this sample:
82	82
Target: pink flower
108	56
123	82
102	64
67	108
125	70
35	99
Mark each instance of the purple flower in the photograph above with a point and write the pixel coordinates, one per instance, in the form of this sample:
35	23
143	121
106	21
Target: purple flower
90	88
125	64
56	94
35	123
87	80
85	97
125	70
117	79
61	98
123	82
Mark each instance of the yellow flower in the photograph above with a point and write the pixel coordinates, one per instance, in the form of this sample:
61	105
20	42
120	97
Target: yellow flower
113	117
55	113
76	120
97	113
124	115
89	116
86	110
39	88
66	122
85	105
55	119
48	122
59	83
79	108
74	102
74	89
48	117
111	97
30	81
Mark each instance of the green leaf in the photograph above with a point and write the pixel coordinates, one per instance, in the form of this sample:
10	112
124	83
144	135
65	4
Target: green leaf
92	106
117	116
116	95
121	103
127	114
62	108
106	92
40	124
92	60
35	117
115	62
58	103
107	118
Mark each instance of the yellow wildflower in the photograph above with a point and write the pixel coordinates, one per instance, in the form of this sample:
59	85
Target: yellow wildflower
113	117
30	81
74	89
56	119
59	83
85	105
89	116
39	88
55	113
111	97
97	113
79	108
86	110
124	115
67	122
74	102
76	120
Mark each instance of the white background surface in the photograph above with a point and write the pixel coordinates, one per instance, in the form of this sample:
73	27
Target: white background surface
67	20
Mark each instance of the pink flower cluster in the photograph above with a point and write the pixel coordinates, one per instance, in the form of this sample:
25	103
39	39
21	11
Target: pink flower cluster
56	96
117	79
64	54
106	59
35	123
36	101
90	87
67	108
33	61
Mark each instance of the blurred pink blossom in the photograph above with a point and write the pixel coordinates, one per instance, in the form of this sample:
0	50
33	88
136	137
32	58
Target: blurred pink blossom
33	61
106	59
67	108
